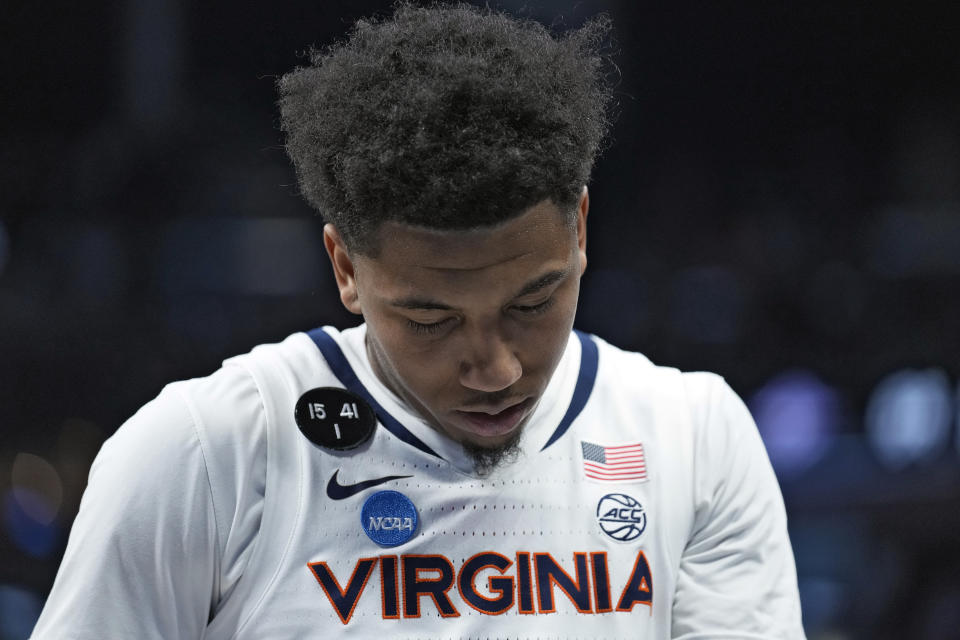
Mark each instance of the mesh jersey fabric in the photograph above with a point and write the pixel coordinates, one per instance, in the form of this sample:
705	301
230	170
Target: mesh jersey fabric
207	516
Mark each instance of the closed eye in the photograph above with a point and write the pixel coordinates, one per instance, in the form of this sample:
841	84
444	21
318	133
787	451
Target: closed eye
429	328
536	308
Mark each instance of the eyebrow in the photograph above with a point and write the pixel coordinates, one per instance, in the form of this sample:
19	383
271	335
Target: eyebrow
531	287
542	282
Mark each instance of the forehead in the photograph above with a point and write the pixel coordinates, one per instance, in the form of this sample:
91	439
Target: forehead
541	231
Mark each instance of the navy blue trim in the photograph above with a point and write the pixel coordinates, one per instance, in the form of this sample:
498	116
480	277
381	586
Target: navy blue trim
332	353
589	357
348	378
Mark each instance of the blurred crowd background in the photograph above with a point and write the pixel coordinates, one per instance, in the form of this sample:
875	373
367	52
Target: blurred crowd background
780	203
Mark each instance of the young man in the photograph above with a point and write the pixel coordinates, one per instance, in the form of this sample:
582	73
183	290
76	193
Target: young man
462	464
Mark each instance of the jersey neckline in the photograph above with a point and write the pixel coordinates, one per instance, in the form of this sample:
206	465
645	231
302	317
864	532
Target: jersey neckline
577	391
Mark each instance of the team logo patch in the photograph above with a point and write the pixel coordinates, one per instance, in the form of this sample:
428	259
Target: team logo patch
389	518
614	463
621	517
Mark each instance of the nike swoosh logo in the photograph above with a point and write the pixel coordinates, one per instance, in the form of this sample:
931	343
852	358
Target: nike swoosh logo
337	491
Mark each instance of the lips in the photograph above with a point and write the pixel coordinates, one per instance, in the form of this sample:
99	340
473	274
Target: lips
492	423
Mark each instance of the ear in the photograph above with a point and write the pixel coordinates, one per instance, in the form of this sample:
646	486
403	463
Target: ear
582	209
343	269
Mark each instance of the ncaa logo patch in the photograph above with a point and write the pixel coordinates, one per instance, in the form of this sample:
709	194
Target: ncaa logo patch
621	517
389	518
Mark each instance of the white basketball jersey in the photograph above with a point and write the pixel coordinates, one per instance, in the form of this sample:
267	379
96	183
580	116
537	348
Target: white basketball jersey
641	505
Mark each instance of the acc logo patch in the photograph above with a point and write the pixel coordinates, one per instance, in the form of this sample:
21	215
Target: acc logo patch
389	518
621	517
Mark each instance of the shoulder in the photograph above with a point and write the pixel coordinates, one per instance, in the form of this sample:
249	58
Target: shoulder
211	427
228	415
229	405
229	410
634	374
694	411
223	419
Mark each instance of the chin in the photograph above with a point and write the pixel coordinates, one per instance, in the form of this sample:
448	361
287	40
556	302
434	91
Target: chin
493	453
492	443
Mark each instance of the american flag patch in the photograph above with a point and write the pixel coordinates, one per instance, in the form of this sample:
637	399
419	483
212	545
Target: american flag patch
615	463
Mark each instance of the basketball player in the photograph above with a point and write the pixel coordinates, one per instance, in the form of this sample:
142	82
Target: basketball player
463	464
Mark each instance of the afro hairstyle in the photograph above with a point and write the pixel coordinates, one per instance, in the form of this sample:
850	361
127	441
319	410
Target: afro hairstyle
446	117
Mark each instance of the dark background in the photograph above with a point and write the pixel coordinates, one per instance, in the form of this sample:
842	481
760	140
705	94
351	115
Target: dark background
780	203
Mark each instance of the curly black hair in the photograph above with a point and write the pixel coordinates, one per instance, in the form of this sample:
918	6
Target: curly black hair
448	117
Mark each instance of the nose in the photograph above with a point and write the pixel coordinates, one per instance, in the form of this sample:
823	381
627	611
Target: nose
490	363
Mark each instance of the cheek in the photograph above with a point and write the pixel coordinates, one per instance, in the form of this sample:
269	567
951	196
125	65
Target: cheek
542	346
561	322
423	370
553	338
